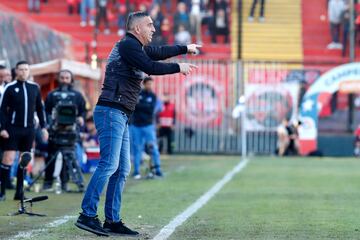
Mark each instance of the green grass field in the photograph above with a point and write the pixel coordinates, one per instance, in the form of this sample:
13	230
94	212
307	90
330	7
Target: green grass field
272	198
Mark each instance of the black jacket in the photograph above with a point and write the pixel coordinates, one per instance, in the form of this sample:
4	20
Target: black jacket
18	104
127	62
144	110
73	97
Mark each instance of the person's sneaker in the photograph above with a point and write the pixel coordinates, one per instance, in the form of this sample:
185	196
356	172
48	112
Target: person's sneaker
158	173
136	176
261	19
91	224
82	24
119	228
47	187
250	19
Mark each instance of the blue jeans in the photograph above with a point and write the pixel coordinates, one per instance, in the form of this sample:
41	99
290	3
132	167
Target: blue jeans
114	165
85	6
141	136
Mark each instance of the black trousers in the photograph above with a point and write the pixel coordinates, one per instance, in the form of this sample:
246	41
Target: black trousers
254	3
53	150
168	133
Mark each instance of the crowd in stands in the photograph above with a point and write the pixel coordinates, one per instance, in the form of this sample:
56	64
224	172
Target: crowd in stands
178	21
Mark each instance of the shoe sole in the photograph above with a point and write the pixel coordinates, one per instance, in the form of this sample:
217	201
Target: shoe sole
120	234
86	228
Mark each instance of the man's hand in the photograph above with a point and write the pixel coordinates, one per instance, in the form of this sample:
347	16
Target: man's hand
44	134
80	121
193	48
4	134
187	68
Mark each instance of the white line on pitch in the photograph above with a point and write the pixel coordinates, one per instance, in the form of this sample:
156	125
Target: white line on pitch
166	231
31	234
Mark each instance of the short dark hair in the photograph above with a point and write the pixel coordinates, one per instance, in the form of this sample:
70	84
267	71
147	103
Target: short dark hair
132	17
2	67
67	71
147	79
21	63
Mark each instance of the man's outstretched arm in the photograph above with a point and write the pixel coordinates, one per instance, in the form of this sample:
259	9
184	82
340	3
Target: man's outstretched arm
163	52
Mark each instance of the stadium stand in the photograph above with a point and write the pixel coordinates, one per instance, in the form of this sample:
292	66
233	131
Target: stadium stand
54	14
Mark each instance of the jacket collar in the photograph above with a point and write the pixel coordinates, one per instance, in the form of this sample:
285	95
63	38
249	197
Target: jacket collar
128	34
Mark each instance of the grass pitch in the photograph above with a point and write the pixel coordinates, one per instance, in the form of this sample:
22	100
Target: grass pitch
272	198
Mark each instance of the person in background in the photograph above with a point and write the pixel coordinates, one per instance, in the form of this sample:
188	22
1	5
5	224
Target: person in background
166	123
335	11
143	129
101	14
20	100
87	10
182	36
34	6
282	137
252	10
181	17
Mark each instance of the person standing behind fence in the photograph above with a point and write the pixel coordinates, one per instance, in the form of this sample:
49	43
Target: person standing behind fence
166	122
252	11
127	62
143	130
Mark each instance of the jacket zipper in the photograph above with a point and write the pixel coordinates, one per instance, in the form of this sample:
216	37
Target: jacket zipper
13	117
26	104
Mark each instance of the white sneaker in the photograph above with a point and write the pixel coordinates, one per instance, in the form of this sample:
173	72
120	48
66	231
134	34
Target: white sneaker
261	19
107	31
137	177
338	46
82	24
92	23
250	19
331	45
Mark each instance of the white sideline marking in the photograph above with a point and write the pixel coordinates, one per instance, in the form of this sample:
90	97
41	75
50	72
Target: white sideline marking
31	233
166	231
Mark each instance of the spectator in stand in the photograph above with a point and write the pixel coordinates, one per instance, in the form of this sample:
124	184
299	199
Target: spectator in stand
335	10
182	36
220	24
101	14
165	30
195	19
122	13
71	6
157	18
345	22
34	6
167	3
87	10
181	17
252	11
166	123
